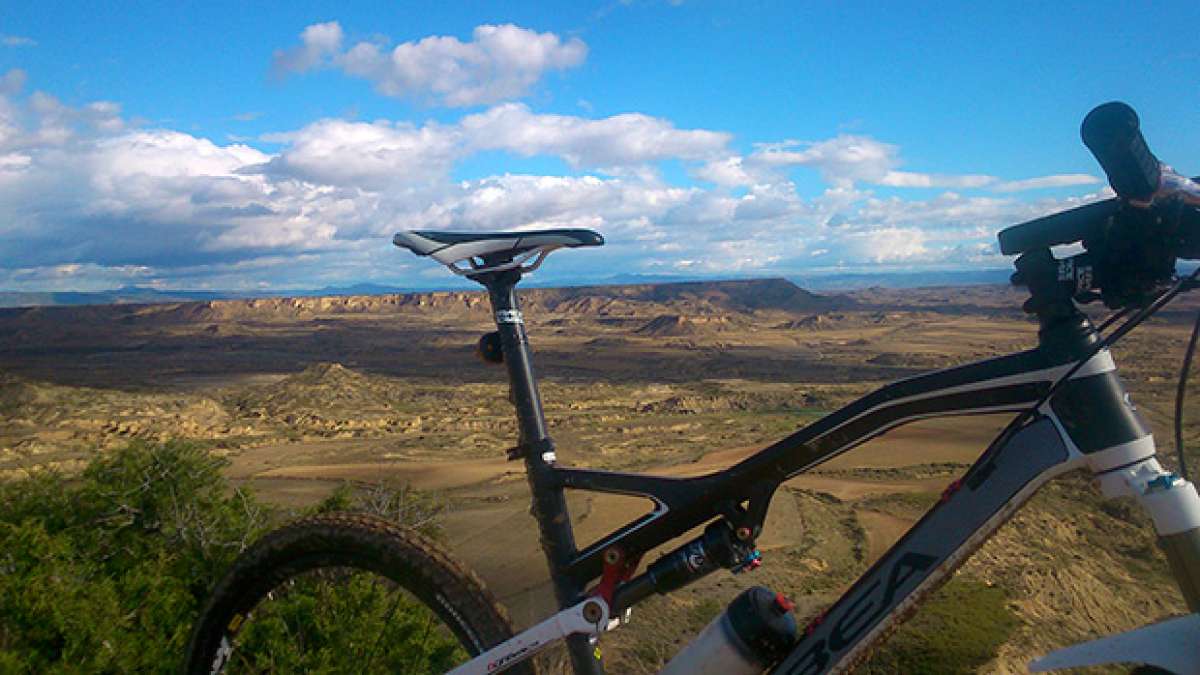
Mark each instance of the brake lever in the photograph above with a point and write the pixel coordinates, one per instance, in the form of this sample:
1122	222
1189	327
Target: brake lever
1172	186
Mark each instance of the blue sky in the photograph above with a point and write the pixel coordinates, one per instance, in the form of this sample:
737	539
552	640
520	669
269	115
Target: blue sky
236	145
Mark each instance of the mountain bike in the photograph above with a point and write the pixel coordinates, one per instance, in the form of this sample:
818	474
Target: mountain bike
351	593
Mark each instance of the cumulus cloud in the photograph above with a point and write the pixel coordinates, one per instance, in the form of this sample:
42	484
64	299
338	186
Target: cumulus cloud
77	188
499	63
968	181
929	180
886	245
630	138
525	202
727	172
318	42
88	200
74	276
1059	180
842	160
370	155
849	160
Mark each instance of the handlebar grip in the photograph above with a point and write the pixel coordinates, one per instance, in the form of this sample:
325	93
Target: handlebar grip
1111	131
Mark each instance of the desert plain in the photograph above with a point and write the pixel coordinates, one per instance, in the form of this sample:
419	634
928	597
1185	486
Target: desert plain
302	395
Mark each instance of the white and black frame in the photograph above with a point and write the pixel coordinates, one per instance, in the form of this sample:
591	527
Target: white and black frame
1072	412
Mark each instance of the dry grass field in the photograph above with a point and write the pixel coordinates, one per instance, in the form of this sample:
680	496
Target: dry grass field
304	394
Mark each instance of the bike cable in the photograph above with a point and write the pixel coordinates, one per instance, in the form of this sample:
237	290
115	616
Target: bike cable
1185	283
1113	318
1179	396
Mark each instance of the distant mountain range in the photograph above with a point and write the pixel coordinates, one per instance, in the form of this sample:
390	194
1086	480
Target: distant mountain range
825	282
847	282
142	295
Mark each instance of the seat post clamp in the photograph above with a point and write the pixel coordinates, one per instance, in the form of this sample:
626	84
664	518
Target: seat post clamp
543	447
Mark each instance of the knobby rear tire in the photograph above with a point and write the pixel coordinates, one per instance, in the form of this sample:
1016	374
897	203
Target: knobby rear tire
341	541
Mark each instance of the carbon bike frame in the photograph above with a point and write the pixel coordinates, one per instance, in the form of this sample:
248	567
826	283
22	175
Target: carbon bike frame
1089	421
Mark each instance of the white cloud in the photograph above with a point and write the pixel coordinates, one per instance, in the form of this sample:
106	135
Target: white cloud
74	277
886	245
630	138
167	154
43	120
1059	180
848	160
842	160
770	202
499	63
515	202
928	180
14	162
727	172
82	190
318	42
370	155
17	41
86	198
969	181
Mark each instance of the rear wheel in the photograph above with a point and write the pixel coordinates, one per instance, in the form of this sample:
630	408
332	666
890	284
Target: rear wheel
346	593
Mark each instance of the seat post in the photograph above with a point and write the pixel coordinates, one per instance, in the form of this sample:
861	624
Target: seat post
549	503
510	325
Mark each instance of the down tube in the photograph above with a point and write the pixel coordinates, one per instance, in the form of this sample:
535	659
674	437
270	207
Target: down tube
1011	470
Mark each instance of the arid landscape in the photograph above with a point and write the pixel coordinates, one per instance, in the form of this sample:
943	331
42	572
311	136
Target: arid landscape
302	395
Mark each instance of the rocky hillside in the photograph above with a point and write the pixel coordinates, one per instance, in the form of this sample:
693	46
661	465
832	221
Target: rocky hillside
52	425
747	295
692	297
673	325
325	399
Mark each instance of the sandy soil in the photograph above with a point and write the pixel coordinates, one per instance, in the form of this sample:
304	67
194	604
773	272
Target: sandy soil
882	530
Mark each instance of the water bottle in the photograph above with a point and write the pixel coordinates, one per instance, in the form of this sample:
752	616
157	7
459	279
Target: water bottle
755	631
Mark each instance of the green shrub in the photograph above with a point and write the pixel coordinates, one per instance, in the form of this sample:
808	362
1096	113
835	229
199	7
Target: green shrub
958	630
105	572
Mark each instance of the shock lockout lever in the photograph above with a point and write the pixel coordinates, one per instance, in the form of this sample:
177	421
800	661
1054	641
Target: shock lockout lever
589	617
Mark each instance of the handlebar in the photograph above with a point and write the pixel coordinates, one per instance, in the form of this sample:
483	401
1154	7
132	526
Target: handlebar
1064	227
1132	240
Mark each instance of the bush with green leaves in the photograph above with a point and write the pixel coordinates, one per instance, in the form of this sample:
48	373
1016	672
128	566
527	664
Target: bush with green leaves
959	630
105	572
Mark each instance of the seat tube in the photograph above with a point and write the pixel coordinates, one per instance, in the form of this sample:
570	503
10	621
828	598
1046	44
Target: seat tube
549	506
